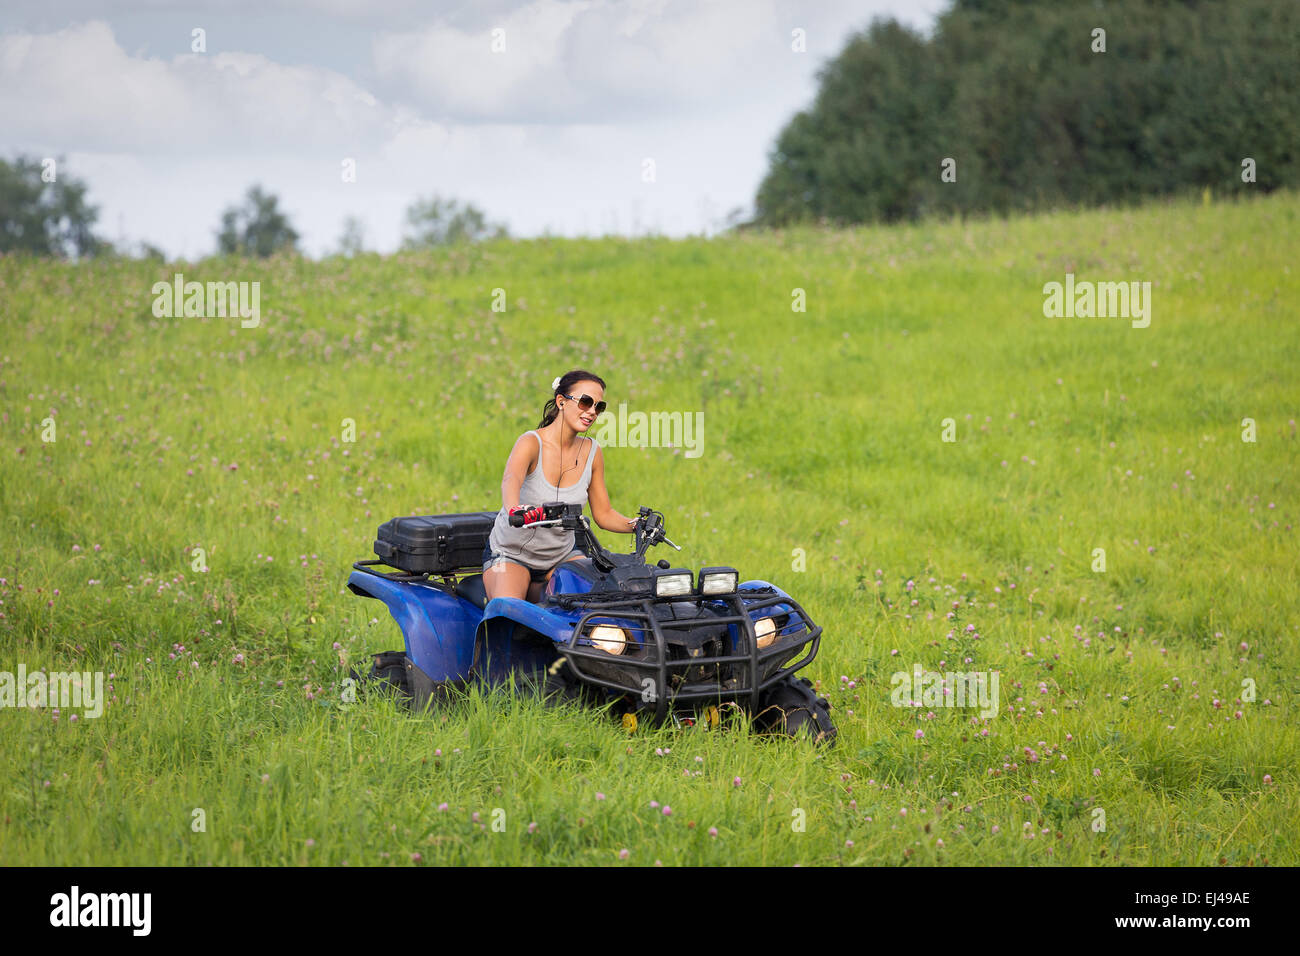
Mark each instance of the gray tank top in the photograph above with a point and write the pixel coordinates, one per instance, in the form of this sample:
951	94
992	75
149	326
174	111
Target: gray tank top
541	548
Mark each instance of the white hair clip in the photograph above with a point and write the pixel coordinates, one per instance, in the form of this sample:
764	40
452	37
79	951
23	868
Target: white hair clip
555	384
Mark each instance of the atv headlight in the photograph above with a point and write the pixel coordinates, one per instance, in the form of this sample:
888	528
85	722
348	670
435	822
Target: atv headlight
718	580
765	629
672	583
608	638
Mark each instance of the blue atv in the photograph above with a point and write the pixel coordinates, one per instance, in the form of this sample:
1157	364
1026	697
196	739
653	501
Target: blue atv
651	642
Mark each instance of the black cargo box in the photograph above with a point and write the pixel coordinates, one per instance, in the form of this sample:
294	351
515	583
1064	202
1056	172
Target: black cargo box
435	544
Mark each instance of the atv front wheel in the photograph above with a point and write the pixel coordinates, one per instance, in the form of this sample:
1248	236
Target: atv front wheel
793	708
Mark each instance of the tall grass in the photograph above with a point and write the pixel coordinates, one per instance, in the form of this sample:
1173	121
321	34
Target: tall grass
822	433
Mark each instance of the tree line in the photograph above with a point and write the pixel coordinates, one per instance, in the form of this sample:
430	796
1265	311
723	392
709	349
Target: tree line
44	212
1016	105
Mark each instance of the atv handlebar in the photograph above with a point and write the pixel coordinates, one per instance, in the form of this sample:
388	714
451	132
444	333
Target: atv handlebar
555	513
648	532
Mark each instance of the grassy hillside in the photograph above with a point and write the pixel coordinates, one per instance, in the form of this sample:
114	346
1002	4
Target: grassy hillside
823	431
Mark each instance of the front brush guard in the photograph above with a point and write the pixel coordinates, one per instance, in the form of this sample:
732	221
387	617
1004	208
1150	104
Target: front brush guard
739	603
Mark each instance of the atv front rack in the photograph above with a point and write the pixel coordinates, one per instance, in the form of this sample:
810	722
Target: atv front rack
595	666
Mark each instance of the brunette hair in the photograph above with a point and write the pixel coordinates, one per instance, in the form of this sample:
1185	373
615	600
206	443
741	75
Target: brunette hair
566	382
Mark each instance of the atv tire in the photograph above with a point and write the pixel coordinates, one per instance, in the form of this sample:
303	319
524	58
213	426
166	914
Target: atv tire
555	687
793	708
387	675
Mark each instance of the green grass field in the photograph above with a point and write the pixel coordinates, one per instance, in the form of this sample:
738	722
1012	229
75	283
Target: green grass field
1128	733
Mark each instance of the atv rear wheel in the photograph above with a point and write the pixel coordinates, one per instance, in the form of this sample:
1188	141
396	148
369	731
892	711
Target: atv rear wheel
387	675
793	708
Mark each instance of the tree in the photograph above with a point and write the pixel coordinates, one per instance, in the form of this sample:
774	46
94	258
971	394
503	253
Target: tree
855	155
259	228
1017	104
352	241
441	222
44	212
148	250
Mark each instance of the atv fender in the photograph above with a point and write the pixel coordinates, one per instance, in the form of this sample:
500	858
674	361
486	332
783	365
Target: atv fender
776	608
517	635
759	585
437	626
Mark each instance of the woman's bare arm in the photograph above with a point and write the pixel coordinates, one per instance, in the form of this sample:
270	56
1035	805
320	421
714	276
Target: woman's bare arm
518	465
602	512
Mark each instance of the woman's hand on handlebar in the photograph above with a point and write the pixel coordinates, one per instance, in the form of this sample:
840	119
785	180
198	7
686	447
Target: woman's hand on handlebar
528	515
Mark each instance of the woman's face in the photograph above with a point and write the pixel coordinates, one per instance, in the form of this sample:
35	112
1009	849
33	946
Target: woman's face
578	419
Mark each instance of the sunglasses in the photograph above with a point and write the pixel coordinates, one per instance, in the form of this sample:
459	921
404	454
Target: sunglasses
584	403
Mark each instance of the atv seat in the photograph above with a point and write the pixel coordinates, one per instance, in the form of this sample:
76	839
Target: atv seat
471	589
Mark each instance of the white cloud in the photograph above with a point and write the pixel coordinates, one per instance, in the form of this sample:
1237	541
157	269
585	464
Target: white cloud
606	61
450	71
78	87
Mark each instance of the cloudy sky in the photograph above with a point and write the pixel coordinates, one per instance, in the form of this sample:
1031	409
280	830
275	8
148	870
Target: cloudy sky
543	113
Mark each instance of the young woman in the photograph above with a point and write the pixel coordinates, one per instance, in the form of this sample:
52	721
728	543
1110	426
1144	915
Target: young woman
519	561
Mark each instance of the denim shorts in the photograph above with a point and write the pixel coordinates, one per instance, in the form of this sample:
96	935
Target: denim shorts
535	574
